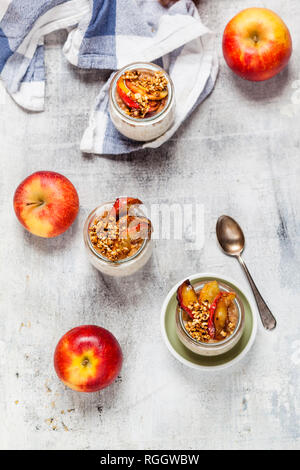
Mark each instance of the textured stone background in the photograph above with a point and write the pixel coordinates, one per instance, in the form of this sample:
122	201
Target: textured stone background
238	154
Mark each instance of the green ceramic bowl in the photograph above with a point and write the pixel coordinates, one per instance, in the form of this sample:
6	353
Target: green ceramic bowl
187	357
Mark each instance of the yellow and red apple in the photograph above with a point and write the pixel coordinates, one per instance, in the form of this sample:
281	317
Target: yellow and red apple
257	44
46	203
88	358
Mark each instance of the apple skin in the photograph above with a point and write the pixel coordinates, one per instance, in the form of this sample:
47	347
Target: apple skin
257	44
88	358
186	295
46	203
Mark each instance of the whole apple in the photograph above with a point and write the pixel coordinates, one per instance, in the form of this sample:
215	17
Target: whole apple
88	358
46	203
257	44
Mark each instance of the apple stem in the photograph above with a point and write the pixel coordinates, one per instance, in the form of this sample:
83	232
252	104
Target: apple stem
39	203
85	362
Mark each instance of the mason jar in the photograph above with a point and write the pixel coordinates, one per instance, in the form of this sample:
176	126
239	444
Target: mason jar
121	267
213	348
141	129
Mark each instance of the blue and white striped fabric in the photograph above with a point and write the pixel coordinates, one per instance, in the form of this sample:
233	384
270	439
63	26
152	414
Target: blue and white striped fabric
107	34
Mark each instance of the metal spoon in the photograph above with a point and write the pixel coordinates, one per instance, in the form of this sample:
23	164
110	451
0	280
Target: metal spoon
232	241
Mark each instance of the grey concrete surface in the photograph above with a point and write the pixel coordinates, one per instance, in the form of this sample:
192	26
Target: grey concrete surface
237	154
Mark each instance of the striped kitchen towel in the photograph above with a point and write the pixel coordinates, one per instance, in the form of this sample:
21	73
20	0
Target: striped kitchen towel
108	34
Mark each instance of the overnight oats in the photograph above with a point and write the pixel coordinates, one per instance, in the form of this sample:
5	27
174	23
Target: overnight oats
117	237
141	102
209	317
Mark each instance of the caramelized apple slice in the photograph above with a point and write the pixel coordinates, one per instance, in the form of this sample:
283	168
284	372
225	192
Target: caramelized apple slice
153	106
186	295
125	243
122	205
141	90
221	312
139	228
124	94
209	292
212	310
135	228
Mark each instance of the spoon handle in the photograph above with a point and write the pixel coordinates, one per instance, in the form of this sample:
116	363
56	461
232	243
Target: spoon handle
266	316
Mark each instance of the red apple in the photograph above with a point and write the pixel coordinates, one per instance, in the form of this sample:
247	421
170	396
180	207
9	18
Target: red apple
257	44
46	203
88	358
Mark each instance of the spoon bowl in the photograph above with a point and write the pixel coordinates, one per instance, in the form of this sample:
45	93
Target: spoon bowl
230	236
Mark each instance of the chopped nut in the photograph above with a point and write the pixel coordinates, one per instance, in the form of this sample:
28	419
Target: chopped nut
198	327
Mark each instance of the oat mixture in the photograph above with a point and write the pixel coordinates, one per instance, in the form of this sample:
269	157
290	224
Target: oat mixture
198	326
153	82
142	93
112	238
209	315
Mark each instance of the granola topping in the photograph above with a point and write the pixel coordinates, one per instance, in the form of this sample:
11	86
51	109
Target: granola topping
209	315
198	326
116	235
153	83
142	93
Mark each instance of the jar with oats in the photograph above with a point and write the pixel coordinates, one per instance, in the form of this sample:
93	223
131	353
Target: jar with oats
210	317
142	101
117	237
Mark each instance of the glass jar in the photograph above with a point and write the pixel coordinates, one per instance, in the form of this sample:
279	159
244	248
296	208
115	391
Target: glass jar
122	267
142	129
214	348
